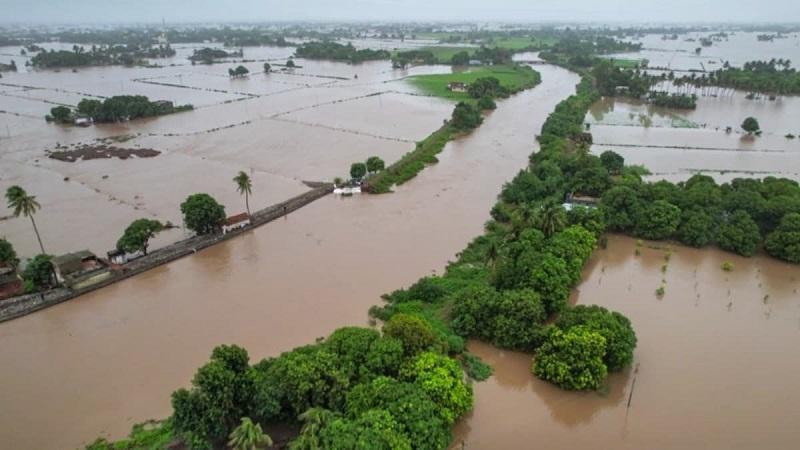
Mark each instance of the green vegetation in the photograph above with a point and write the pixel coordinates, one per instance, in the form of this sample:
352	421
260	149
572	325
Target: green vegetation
116	109
358	170
338	52
150	435
38	274
751	126
244	186
677	101
22	204
138	234
238	72
774	77
784	242
411	163
8	256
248	436
375	164
511	78
209	55
100	56
573	359
727	266
202	214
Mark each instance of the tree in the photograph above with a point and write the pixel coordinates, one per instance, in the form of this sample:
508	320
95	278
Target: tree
414	332
358	170
376	429
551	219
465	117
89	107
375	164
486	102
613	326
659	221
290	63
8	257
612	161
202	214
248	436
137	235
314	422
222	394
61	114
267	68
572	359
739	234
697	228
784	242
460	59
244	186
622	207
517	321
38	273
750	125
238	72
443	380
26	205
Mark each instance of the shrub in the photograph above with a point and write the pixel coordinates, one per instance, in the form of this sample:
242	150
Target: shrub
613	326
572	359
414	332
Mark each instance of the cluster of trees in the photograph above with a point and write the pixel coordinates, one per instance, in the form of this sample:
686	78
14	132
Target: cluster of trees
508	283
359	388
115	109
465	117
487	87
401	60
359	170
241	71
99	56
678	101
208	55
609	78
10	67
773	77
339	52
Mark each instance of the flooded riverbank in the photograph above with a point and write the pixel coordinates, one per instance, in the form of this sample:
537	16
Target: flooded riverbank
717	361
113	357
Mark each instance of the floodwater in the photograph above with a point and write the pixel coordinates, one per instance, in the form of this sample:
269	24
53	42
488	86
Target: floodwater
675	144
737	49
715	368
283	128
100	363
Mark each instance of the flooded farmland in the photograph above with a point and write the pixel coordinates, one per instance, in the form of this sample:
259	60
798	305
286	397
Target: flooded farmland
114	356
715	366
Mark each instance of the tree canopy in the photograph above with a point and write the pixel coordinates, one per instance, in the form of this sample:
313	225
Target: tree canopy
202	214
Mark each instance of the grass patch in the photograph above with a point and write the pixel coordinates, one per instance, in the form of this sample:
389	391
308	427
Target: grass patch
150	435
514	78
475	367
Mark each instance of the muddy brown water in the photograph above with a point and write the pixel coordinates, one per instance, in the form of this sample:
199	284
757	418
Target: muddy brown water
100	363
717	361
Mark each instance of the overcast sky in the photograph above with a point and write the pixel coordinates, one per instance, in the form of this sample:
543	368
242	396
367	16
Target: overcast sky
117	11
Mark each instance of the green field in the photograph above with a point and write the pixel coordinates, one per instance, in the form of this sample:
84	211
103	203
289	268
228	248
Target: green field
519	43
445	54
626	63
513	78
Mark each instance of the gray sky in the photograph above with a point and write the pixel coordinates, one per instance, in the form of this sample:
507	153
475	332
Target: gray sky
116	11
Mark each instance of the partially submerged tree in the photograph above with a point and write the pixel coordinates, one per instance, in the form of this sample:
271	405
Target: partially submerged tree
358	170
138	235
750	125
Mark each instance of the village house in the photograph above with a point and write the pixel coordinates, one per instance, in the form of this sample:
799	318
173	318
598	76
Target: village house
457	86
82	121
573	201
80	269
235	222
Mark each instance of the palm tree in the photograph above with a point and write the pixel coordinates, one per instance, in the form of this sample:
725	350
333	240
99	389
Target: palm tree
245	186
248	436
26	205
552	219
314	420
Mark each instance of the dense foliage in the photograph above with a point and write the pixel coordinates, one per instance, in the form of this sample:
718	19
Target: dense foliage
116	109
208	55
338	52
202	214
8	256
38	273
100	56
572	359
465	117
138	234
773	77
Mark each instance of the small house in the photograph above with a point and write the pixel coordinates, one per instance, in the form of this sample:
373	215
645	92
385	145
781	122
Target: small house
235	222
621	90
10	282
117	257
457	86
80	269
475	62
82	121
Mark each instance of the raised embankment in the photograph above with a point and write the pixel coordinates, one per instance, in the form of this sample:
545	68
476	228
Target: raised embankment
25	304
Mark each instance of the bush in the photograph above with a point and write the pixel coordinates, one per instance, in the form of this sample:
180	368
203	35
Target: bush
486	103
465	117
659	221
38	273
442	379
572	359
784	242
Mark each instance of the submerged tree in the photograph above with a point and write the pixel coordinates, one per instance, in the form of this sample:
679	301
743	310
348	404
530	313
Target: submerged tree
138	234
24	205
750	125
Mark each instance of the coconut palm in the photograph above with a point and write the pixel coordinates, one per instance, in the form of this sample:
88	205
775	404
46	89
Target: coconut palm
248	436
552	219
314	420
245	187
26	205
